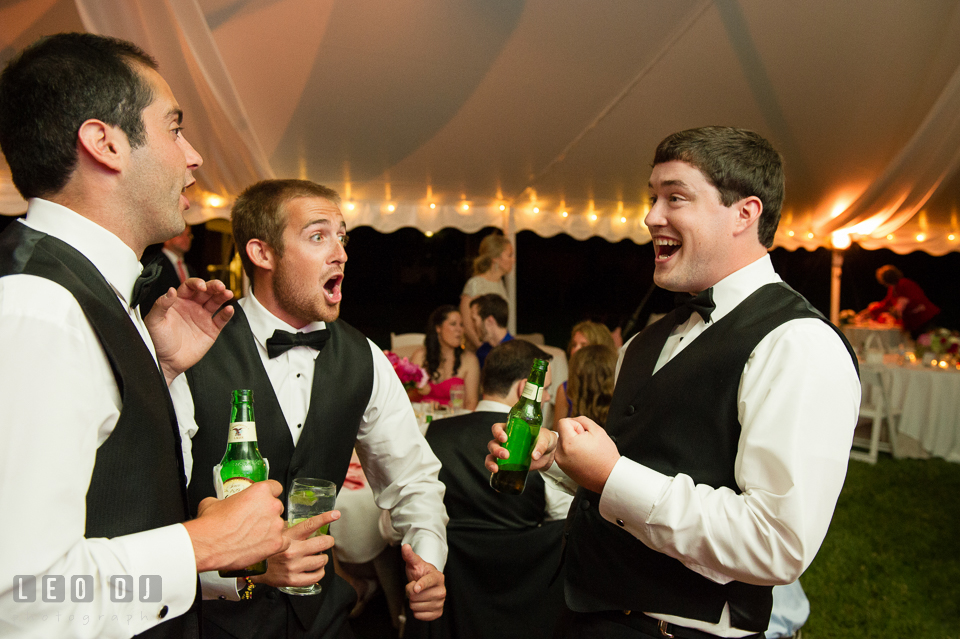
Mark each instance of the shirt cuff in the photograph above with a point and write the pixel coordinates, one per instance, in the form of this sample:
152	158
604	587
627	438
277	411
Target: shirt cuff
168	553
555	475
214	586
630	494
430	548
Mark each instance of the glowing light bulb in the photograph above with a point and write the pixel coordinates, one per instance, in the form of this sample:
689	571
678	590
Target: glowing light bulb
214	201
623	220
503	207
921	237
564	214
809	236
790	233
951	237
536	209
890	237
465	207
391	208
351	206
593	217
429	233
433	205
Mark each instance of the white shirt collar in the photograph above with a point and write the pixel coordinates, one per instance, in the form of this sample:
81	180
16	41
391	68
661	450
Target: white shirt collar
263	323
492	406
115	260
729	292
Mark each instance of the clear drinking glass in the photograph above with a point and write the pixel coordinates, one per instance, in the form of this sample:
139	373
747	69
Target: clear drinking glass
457	396
307	498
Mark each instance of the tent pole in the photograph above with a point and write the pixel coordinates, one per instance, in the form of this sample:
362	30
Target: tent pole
510	231
836	270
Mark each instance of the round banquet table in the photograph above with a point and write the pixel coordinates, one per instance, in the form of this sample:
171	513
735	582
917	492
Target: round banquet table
926	402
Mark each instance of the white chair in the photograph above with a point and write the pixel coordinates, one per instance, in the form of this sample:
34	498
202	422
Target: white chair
405	344
875	406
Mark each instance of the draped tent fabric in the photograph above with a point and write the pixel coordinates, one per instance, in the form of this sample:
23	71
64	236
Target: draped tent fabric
541	115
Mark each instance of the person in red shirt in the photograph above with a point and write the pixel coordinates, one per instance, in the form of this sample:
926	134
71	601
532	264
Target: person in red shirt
905	299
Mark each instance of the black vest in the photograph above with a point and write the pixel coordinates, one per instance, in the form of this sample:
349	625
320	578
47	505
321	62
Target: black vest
138	480
460	443
342	384
659	421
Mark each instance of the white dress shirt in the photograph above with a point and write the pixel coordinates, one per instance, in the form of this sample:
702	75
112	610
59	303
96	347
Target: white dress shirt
798	403
558	500
60	403
396	459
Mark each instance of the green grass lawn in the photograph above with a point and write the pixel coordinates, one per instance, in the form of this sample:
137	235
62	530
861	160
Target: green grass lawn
890	565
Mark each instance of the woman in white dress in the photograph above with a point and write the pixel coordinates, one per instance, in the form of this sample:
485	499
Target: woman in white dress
495	261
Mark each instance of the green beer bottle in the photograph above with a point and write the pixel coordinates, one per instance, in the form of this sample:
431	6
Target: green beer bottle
523	426
242	463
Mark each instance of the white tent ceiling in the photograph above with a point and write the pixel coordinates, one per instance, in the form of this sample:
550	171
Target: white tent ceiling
556	104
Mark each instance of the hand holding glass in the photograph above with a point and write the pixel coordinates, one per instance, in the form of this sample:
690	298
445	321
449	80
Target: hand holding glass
308	498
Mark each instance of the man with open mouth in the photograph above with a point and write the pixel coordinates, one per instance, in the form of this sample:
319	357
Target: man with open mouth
728	436
321	388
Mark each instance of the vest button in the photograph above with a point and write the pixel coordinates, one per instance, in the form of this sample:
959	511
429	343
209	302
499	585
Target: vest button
163	612
584	505
631	409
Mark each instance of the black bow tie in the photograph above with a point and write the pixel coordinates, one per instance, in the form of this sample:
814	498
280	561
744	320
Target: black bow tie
283	341
701	303
141	288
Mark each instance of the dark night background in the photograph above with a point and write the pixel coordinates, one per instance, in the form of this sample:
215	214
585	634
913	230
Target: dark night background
394	280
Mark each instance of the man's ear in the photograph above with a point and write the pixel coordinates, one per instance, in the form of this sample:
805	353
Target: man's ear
517	390
748	213
105	144
261	254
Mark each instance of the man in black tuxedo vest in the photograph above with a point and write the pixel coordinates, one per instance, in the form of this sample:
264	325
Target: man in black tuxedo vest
174	269
523	531
320	389
94	495
729	432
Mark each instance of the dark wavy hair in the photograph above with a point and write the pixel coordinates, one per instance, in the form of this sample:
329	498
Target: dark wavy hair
432	342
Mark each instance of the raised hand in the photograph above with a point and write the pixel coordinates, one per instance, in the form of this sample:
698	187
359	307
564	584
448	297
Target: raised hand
184	323
585	452
543	451
303	562
425	588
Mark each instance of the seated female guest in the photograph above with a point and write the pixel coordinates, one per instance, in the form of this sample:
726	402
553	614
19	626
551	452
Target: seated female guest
585	333
446	362
591	381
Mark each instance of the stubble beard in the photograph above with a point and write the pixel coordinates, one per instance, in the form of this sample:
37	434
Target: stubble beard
297	300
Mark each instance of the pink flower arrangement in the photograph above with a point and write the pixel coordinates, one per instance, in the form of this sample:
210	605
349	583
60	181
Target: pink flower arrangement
411	375
940	341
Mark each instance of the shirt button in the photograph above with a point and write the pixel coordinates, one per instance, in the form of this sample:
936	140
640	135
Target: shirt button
585	505
163	612
298	374
631	410
299	425
620	523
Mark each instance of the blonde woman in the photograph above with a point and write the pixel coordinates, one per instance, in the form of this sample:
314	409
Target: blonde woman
591	381
583	334
495	261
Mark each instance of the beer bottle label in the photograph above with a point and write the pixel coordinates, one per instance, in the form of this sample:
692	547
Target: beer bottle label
242	432
532	391
235	484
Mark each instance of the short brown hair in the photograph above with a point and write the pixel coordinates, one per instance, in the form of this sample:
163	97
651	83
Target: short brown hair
739	163
259	213
507	363
492	305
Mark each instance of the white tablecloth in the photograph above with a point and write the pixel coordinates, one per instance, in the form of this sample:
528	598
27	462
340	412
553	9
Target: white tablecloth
928	402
